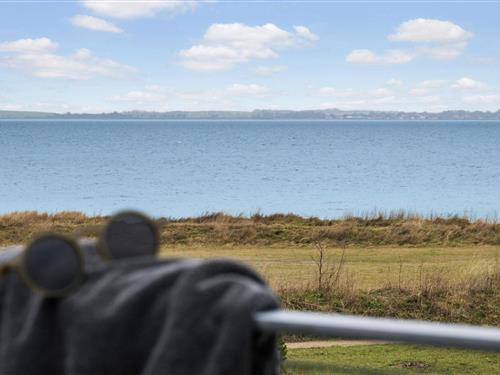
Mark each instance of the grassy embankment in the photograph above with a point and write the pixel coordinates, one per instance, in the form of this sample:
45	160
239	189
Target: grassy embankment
445	269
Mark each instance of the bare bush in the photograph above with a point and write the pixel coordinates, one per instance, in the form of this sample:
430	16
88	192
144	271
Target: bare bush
331	273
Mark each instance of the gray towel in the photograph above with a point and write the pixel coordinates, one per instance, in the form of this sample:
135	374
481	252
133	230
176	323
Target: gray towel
141	316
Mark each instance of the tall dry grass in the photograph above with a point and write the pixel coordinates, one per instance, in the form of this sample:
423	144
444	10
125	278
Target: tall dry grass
377	229
468	295
19	227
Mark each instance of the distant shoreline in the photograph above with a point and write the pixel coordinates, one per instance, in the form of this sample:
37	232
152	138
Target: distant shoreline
264	115
240	119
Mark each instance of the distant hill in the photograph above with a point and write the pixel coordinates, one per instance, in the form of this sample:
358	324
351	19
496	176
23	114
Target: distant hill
261	114
26	115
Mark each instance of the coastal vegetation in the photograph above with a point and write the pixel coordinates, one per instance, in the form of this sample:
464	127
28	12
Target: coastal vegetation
399	229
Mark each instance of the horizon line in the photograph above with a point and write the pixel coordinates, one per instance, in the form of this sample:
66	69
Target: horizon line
110	112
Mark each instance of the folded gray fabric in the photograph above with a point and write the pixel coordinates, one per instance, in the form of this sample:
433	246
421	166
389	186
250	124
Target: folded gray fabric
141	316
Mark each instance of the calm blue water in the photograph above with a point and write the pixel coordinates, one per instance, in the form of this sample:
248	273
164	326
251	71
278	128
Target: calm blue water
182	168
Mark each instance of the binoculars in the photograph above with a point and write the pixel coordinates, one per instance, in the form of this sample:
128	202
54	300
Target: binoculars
53	265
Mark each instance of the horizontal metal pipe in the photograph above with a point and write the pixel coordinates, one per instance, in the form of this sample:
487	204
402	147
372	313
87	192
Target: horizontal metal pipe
8	255
356	327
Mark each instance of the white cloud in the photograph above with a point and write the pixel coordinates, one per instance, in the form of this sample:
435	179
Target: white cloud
429	87
155	97
269	70
225	45
305	33
94	23
365	56
434	39
138	97
463	83
425	88
397	57
202	57
240	35
430	30
35	56
234	96
466	83
370	100
151	98
362	56
433	95
137	8
483	99
441	52
28	45
250	89
359	99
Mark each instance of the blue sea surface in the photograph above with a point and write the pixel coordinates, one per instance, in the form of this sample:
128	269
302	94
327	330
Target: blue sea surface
313	168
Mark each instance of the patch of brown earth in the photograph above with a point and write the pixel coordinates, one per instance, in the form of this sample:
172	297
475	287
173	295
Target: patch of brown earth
330	343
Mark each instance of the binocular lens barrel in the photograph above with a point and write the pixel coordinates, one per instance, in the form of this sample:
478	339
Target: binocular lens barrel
129	234
52	265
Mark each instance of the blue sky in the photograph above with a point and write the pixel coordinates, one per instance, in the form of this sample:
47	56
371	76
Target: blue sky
97	55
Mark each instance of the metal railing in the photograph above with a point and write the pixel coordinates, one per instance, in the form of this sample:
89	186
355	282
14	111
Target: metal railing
356	327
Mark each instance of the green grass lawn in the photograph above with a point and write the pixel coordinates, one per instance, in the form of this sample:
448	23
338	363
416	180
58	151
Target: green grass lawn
390	359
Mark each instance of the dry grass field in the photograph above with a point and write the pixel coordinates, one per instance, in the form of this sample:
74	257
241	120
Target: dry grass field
367	267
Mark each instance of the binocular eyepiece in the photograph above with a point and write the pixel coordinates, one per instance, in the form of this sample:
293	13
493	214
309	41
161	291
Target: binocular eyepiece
53	265
129	234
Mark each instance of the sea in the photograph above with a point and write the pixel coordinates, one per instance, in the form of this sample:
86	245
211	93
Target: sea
327	169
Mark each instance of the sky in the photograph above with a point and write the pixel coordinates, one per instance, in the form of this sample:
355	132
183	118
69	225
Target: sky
101	56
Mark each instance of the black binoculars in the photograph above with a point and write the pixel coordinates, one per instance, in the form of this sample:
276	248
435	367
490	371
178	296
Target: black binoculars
53	265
